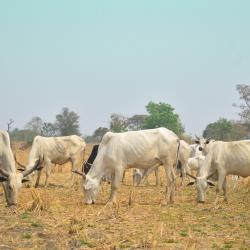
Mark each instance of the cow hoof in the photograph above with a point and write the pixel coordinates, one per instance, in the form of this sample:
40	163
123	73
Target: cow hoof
201	202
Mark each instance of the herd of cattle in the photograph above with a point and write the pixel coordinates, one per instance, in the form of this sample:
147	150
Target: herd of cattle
205	162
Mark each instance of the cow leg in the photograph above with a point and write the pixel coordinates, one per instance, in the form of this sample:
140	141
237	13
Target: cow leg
235	179
117	178
157	177
123	177
146	180
38	178
170	188
47	173
74	167
224	187
221	180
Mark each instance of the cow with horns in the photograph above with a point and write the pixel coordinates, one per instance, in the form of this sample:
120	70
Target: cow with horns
56	150
222	159
11	180
143	149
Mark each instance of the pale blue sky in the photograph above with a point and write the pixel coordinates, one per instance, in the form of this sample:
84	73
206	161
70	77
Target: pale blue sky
103	57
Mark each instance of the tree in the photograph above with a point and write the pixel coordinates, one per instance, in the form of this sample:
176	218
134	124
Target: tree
136	122
35	125
162	115
67	123
118	123
48	129
25	135
244	92
239	131
220	130
100	132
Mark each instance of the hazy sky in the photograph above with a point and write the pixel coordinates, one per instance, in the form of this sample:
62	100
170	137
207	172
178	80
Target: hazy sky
103	57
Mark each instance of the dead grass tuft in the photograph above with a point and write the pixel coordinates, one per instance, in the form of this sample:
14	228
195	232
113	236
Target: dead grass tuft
39	203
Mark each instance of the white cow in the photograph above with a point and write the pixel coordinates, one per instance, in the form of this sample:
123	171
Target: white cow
194	164
141	175
56	150
133	149
222	159
184	153
11	180
195	159
202	145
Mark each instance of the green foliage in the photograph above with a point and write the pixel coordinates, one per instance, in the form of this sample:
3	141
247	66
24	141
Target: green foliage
22	135
162	115
226	130
220	130
67	123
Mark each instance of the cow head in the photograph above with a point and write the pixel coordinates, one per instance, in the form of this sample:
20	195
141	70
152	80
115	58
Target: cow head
202	144
90	187
12	183
202	184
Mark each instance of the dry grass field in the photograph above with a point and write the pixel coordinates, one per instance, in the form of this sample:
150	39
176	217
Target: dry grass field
56	218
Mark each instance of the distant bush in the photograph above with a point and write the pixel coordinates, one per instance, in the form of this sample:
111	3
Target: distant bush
25	135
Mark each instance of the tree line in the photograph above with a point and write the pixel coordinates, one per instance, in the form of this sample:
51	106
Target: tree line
158	115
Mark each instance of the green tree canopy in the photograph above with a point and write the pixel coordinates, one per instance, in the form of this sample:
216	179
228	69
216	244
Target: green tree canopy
219	130
67	123
162	115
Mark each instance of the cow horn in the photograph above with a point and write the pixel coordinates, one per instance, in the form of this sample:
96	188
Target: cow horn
193	177
209	176
19	164
197	137
80	173
30	170
4	173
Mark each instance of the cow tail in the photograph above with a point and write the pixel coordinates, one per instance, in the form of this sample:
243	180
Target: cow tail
177	153
83	162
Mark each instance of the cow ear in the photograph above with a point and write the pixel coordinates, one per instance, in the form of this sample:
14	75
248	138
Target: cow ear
210	183
191	183
25	180
3	179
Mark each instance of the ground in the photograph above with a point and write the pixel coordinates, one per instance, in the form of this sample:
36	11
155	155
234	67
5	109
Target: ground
56	217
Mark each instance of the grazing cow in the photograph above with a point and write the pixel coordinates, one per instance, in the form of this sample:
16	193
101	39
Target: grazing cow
143	149
202	145
56	150
11	180
87	165
222	159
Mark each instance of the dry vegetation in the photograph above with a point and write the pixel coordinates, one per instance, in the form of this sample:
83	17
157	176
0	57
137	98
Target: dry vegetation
56	218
